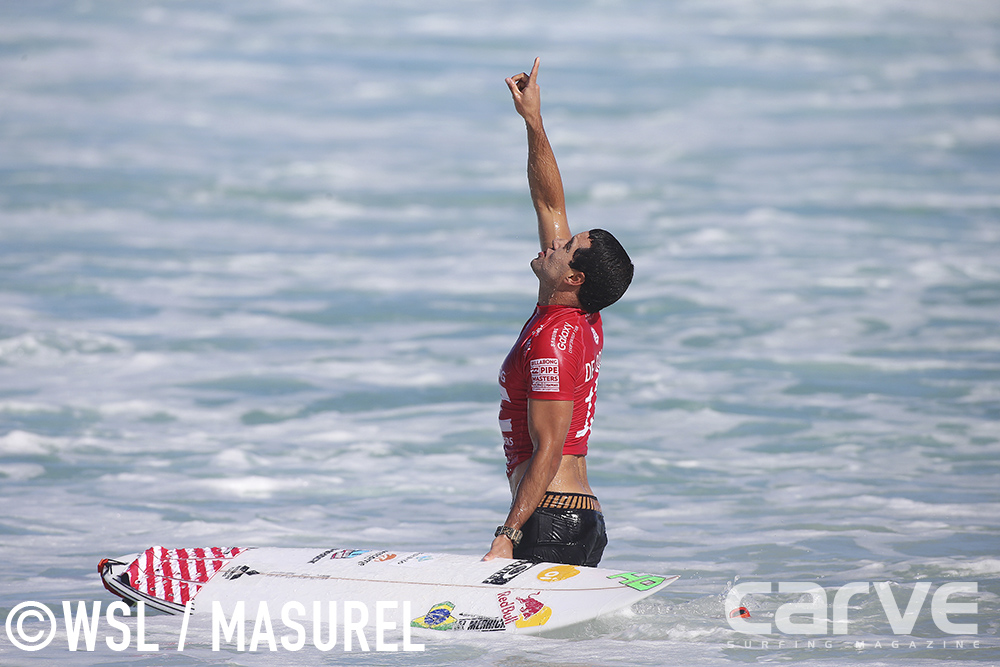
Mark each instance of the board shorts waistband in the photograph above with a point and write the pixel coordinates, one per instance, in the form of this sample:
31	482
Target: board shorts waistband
570	501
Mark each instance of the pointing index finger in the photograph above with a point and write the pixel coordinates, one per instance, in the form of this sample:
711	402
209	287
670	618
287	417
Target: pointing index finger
534	71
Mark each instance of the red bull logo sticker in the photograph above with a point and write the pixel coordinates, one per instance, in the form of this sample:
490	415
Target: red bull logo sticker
526	612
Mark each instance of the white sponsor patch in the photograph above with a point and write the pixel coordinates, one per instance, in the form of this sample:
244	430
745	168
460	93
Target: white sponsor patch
544	375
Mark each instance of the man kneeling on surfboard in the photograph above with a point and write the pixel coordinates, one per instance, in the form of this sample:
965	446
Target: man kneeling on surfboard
548	382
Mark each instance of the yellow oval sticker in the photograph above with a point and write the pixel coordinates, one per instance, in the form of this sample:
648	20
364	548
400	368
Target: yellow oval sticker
558	573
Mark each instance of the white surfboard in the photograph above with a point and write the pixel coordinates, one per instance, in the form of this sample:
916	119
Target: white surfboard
444	591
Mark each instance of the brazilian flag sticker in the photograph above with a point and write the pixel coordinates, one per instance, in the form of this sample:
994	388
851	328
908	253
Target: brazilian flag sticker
438	617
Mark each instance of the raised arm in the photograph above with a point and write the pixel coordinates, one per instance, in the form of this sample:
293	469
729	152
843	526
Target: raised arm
543	172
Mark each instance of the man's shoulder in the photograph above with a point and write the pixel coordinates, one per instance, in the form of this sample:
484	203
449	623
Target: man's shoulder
560	332
568	317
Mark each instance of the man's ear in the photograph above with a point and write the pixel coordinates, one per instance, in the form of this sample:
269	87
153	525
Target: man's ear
576	278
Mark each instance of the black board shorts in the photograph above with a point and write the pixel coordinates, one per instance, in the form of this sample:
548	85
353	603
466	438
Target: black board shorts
564	529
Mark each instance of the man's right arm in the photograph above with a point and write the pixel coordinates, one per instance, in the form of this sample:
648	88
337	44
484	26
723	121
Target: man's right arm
544	179
548	424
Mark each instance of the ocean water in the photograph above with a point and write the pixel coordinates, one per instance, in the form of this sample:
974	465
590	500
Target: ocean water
260	262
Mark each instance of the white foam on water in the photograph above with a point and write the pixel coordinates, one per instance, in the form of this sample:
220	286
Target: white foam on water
259	265
22	442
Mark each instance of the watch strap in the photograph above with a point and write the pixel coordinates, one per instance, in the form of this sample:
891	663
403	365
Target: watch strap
513	534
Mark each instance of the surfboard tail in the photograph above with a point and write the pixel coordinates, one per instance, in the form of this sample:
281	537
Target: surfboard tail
165	579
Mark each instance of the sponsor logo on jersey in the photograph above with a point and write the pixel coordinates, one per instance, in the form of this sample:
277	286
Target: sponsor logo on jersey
544	374
502	577
563	340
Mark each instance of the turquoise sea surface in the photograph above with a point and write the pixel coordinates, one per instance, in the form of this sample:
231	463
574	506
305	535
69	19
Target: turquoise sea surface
260	263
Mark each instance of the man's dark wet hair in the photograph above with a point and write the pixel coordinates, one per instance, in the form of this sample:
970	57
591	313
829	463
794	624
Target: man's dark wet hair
607	270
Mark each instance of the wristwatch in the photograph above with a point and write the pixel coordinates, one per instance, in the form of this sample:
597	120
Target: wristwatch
513	534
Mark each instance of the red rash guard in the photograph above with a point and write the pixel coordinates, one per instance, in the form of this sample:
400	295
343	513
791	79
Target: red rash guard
557	357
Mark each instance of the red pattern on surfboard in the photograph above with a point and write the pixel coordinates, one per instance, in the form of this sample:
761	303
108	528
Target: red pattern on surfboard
176	575
530	606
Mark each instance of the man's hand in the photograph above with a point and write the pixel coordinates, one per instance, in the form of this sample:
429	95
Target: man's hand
501	548
526	93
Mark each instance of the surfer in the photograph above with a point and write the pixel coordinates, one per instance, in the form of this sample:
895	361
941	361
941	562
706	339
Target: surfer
548	382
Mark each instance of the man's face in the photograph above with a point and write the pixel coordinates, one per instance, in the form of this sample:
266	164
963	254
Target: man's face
553	263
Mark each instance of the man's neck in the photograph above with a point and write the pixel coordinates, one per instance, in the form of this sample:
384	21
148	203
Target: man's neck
558	298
